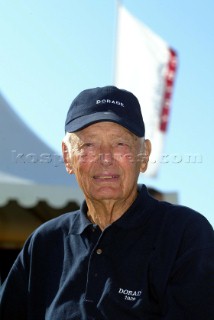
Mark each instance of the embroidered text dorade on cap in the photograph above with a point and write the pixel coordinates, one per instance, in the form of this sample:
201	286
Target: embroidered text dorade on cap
105	104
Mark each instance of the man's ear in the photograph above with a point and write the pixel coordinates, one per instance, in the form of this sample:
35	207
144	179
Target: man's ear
67	158
146	154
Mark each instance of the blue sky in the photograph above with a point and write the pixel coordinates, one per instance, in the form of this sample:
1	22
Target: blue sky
51	50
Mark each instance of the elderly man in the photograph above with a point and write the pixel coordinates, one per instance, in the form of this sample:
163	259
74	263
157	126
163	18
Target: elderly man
124	255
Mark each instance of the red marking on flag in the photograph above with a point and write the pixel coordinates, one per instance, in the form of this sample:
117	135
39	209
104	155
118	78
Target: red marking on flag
167	96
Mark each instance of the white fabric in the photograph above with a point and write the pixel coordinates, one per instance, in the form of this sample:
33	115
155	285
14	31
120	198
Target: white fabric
142	65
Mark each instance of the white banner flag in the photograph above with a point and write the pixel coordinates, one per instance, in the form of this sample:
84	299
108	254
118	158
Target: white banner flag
146	66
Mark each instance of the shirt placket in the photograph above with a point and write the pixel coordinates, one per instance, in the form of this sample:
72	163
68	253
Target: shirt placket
96	274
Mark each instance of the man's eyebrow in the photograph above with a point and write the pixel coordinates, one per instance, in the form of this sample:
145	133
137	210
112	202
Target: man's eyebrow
119	134
88	136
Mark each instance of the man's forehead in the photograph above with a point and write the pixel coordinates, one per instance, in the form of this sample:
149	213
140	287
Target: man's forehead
105	127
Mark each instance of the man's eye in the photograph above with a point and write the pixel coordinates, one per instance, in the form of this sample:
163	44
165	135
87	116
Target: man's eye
122	144
88	145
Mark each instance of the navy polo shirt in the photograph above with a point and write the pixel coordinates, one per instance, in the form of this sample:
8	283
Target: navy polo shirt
155	262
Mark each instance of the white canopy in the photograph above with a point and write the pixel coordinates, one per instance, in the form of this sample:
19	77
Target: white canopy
29	168
34	185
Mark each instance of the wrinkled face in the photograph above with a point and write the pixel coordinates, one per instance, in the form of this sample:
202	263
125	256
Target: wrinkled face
106	159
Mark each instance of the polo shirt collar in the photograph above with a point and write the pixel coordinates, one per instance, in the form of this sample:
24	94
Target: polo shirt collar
137	214
81	221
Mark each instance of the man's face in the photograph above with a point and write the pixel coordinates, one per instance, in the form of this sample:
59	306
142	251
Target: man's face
105	157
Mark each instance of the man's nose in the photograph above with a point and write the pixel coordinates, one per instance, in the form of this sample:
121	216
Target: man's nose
106	156
106	159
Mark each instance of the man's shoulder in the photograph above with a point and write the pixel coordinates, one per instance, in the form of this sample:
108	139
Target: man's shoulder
166	210
183	218
183	212
59	225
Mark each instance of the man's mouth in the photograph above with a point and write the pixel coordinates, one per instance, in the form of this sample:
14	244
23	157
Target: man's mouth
106	177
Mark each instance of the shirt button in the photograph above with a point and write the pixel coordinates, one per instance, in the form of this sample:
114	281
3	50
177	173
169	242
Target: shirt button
99	251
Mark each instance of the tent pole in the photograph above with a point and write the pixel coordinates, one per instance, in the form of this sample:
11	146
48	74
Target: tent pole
118	4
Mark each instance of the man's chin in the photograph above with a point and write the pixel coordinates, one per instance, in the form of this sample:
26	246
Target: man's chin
107	193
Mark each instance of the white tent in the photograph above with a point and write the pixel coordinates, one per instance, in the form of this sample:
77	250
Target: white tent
34	185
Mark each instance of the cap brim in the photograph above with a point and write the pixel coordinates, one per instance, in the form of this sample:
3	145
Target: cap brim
84	121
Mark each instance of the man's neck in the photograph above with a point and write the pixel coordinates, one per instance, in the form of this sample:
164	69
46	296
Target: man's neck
105	212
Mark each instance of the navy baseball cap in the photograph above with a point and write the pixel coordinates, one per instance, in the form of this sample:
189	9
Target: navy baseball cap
105	104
